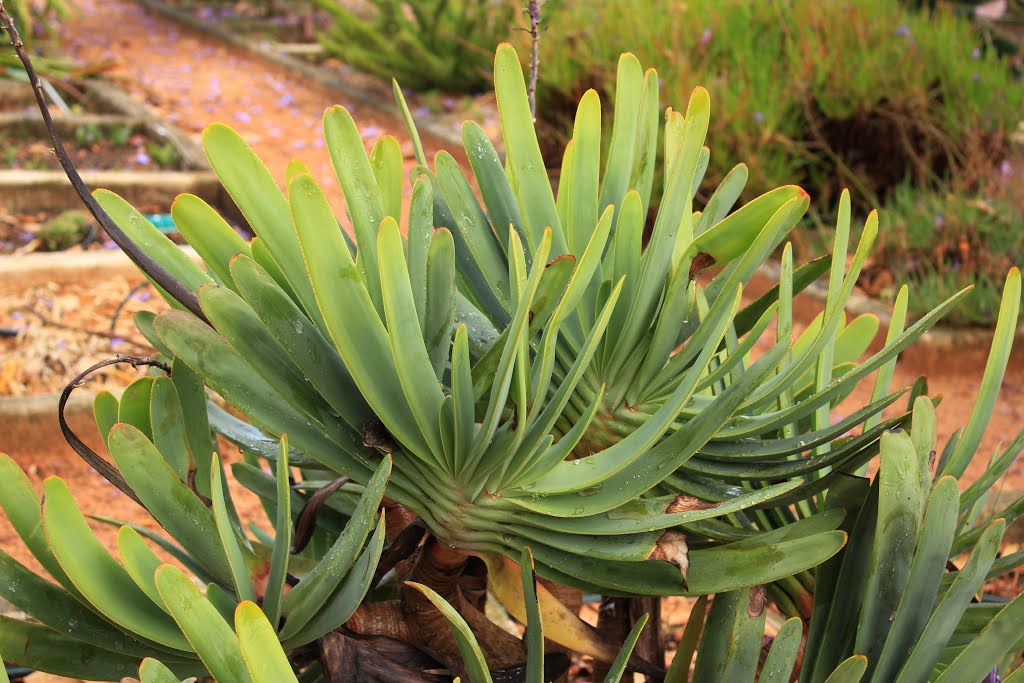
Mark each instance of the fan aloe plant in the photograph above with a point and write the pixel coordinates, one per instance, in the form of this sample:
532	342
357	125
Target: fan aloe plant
102	616
516	369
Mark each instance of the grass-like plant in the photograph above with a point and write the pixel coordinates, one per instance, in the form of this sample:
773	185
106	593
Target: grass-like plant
436	45
872	93
941	242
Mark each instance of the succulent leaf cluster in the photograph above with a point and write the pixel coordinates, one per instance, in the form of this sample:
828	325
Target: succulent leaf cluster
547	379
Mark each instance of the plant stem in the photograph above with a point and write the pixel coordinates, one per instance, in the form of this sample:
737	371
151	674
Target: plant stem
534	10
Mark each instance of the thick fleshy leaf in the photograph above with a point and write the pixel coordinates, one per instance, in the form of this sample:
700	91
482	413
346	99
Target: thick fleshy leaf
778	666
951	607
386	162
629	83
192	396
41	648
277	578
411	357
140	562
153	671
526	167
500	200
342	604
352	319
105	408
168	499
208	233
152	241
991	381
229	540
362	195
167	422
618	667
232	377
20	504
97	575
265	208
303	601
933	543
213	639
56	608
850	671
899	508
474	230
264	658
134	406
472	656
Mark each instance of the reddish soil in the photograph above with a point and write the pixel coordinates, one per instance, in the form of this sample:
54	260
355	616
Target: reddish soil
193	80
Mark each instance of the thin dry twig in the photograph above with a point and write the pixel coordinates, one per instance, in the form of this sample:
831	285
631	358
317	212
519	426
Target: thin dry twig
84	330
534	11
104	468
124	302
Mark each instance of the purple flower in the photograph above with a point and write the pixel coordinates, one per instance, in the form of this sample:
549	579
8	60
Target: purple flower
993	676
902	30
142	159
759	117
299	144
17	315
940	220
370	132
116	342
976	77
706	35
285	100
1005	168
976	53
421	111
243	117
142	296
110	244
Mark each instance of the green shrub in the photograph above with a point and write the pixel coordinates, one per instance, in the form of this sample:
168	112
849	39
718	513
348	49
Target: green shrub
438	44
941	243
825	94
64	231
36	15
